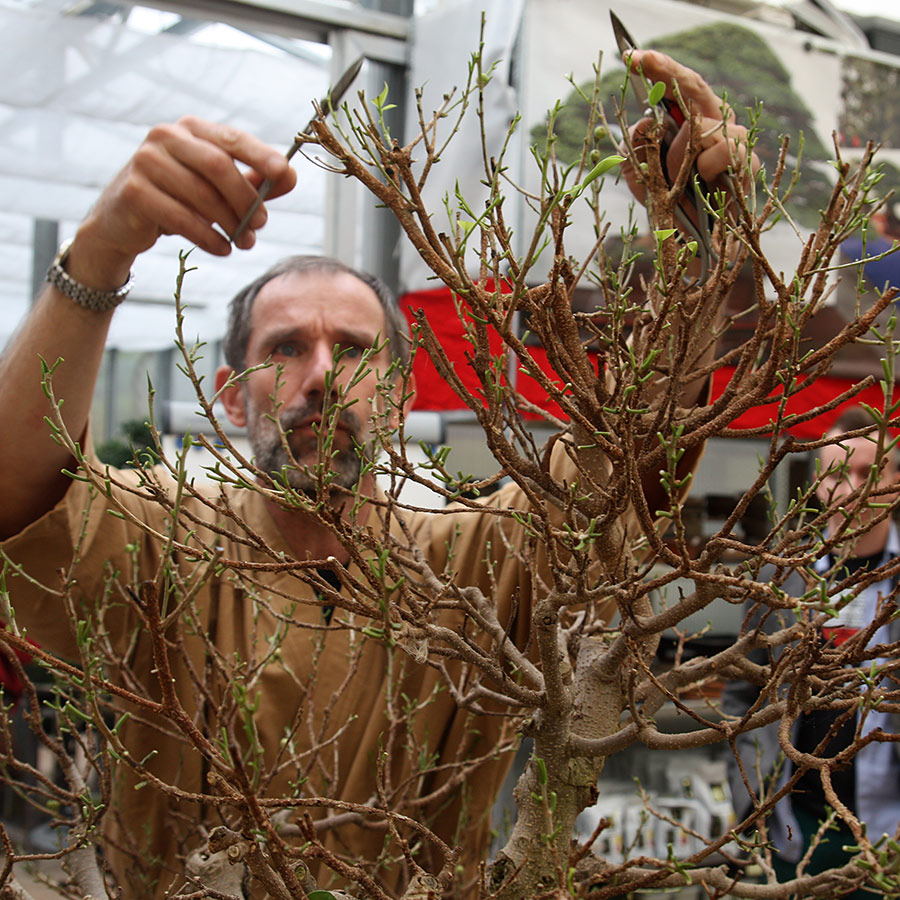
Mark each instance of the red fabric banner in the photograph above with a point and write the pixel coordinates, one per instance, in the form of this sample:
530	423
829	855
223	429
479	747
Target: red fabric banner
814	394
433	393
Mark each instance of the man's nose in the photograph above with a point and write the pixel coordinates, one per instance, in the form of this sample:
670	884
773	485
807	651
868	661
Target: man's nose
318	376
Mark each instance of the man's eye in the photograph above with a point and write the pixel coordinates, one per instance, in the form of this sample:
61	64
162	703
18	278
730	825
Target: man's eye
285	350
349	351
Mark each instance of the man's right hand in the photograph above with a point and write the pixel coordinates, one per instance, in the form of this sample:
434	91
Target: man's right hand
183	179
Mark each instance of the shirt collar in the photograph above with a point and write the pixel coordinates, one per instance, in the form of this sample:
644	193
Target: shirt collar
891	551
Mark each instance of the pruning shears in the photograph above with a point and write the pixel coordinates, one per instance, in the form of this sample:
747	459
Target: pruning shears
328	103
694	209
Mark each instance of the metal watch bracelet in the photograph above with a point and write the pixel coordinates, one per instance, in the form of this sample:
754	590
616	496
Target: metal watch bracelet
88	297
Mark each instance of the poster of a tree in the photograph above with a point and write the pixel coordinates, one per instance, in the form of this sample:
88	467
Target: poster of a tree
748	71
869	108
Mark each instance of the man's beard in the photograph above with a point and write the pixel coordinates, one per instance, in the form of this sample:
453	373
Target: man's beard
343	468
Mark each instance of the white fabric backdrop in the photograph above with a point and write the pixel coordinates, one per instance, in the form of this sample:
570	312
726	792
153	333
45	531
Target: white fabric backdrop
78	93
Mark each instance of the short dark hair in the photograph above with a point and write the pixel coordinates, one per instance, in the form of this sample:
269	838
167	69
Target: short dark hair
240	311
853	418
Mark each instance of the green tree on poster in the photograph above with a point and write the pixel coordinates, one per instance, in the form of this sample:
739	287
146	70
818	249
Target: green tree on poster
869	111
747	70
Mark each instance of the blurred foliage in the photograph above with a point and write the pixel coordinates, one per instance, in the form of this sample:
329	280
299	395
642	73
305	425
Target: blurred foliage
136	439
740	66
890	184
869	111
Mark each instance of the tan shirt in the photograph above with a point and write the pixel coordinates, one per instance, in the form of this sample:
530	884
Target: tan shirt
330	699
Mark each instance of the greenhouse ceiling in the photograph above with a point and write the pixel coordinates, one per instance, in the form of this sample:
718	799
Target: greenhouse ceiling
80	84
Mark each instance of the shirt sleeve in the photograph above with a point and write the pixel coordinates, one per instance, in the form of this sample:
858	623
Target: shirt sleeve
68	561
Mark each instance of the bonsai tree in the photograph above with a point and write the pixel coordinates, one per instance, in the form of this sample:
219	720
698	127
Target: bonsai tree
598	519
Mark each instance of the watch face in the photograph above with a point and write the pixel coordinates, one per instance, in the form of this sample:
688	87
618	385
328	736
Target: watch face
63	253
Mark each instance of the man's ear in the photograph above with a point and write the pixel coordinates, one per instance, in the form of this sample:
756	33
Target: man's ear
232	396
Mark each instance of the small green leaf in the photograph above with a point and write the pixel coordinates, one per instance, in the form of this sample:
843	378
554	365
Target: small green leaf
601	168
657	92
321	895
663	234
379	101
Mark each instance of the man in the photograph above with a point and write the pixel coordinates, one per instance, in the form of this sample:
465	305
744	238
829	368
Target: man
870	785
335	716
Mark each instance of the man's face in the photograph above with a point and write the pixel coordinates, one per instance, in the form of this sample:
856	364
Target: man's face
299	322
846	467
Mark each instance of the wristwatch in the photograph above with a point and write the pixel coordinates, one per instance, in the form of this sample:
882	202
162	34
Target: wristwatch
88	297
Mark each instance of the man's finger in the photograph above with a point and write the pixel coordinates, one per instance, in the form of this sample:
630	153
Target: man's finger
694	90
245	148
720	157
